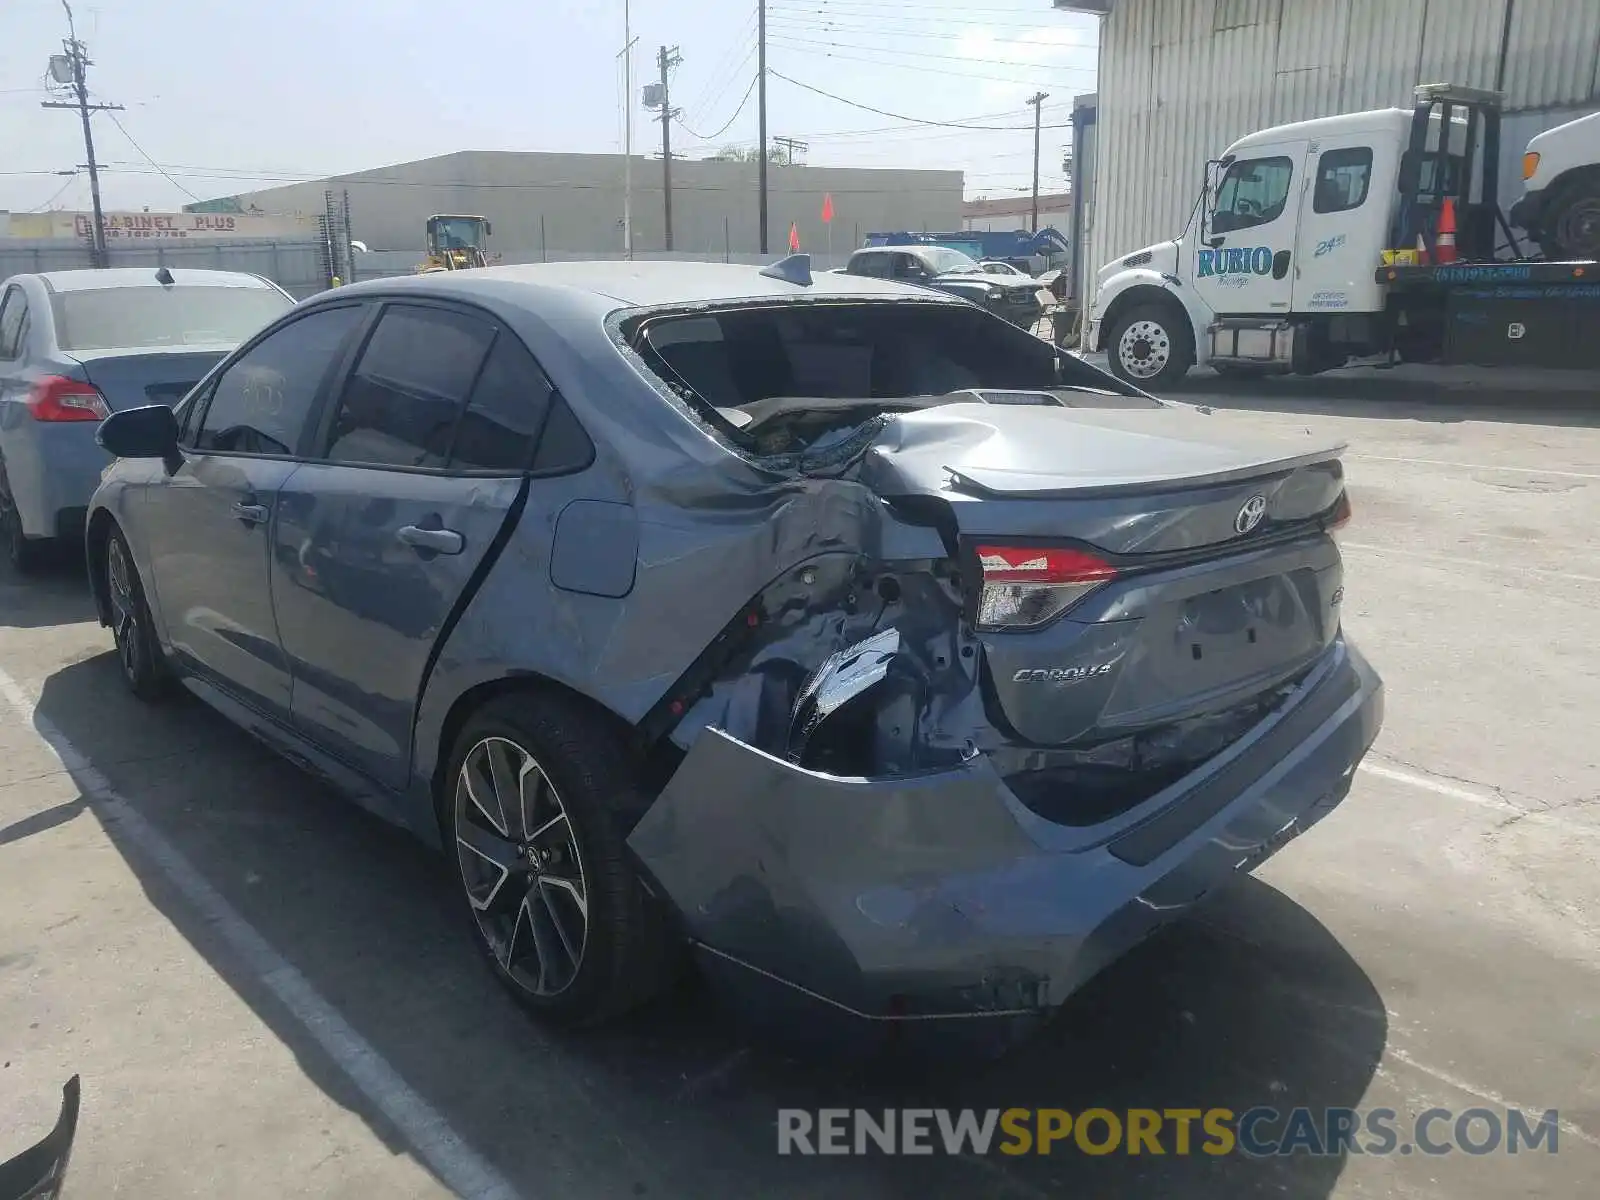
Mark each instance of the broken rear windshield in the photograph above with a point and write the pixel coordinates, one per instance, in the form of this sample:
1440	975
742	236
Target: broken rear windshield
883	352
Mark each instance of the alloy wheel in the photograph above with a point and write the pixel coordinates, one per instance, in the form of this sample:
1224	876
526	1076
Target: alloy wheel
124	608
521	865
1144	349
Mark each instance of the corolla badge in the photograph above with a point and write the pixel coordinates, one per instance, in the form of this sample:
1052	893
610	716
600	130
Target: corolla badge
1060	674
1250	515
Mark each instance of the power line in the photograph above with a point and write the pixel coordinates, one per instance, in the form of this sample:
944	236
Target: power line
728	124
861	24
958	58
800	30
743	39
121	129
883	112
911	6
59	192
899	66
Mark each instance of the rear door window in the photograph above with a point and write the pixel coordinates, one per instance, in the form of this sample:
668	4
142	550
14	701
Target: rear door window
508	405
403	400
1343	178
263	402
13	309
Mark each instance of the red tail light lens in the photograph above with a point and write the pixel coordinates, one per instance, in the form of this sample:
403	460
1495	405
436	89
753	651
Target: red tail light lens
55	398
1340	516
1024	586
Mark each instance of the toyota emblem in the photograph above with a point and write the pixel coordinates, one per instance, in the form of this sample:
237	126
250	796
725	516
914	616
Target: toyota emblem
1250	515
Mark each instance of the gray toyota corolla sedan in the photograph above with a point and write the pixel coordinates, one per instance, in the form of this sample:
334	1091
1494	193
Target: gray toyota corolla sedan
898	667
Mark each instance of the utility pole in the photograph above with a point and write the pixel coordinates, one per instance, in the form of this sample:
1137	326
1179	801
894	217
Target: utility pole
791	147
761	109
627	129
666	60
1037	100
69	69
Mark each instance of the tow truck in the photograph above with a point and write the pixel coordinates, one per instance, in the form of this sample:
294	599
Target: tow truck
1316	244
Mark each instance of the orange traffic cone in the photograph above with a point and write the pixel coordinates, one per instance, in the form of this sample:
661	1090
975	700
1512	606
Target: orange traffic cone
1422	251
1446	242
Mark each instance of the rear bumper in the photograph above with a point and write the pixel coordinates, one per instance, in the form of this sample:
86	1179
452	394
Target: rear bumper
52	470
933	900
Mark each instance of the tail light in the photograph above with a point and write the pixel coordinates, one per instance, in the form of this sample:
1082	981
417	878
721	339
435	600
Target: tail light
1024	586
1340	516
55	398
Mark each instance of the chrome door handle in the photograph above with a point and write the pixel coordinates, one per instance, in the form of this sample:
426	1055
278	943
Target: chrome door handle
251	514
439	541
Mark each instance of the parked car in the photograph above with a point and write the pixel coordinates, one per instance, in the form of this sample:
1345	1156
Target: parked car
1018	300
76	345
896	663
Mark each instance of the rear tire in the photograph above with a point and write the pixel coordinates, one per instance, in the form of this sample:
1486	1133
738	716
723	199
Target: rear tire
1571	225
539	800
139	656
1151	346
25	554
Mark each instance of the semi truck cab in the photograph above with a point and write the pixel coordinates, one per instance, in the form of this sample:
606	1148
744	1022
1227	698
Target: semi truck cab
1278	266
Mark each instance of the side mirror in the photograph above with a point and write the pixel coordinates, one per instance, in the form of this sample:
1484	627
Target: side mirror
488	229
150	431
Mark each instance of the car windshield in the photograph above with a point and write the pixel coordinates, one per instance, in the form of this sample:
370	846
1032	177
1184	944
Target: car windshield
950	262
458	233
147	315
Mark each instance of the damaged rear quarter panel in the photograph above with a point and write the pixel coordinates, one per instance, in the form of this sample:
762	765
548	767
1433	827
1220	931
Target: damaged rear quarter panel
715	527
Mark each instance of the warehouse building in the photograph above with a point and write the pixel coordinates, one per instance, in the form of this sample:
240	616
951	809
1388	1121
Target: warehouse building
1016	212
1181	79
568	205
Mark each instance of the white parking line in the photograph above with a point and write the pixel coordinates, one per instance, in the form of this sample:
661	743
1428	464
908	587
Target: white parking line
456	1164
1483	1093
1456	560
1439	462
1500	804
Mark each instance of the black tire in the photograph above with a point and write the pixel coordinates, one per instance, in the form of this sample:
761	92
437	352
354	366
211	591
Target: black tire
139	656
627	951
1571	225
1151	346
25	554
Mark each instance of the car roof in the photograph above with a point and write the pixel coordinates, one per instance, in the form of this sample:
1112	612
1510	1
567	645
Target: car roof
90	279
603	286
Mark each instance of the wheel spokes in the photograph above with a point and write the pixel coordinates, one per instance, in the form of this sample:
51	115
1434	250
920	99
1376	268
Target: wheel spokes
522	866
497	861
478	780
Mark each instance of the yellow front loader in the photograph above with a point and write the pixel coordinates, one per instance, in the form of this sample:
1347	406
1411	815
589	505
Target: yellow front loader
455	243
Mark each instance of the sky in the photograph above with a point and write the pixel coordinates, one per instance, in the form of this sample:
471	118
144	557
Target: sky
223	97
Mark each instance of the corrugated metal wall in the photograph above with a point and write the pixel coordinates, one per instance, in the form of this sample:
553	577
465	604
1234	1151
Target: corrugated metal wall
1181	79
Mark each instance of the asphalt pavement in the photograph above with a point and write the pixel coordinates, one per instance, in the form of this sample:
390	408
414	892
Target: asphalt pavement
269	993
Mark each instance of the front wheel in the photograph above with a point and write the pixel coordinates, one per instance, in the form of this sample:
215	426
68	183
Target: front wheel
541	797
1572	224
138	651
1151	346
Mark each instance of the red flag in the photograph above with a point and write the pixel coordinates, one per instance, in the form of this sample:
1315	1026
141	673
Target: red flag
794	237
827	207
